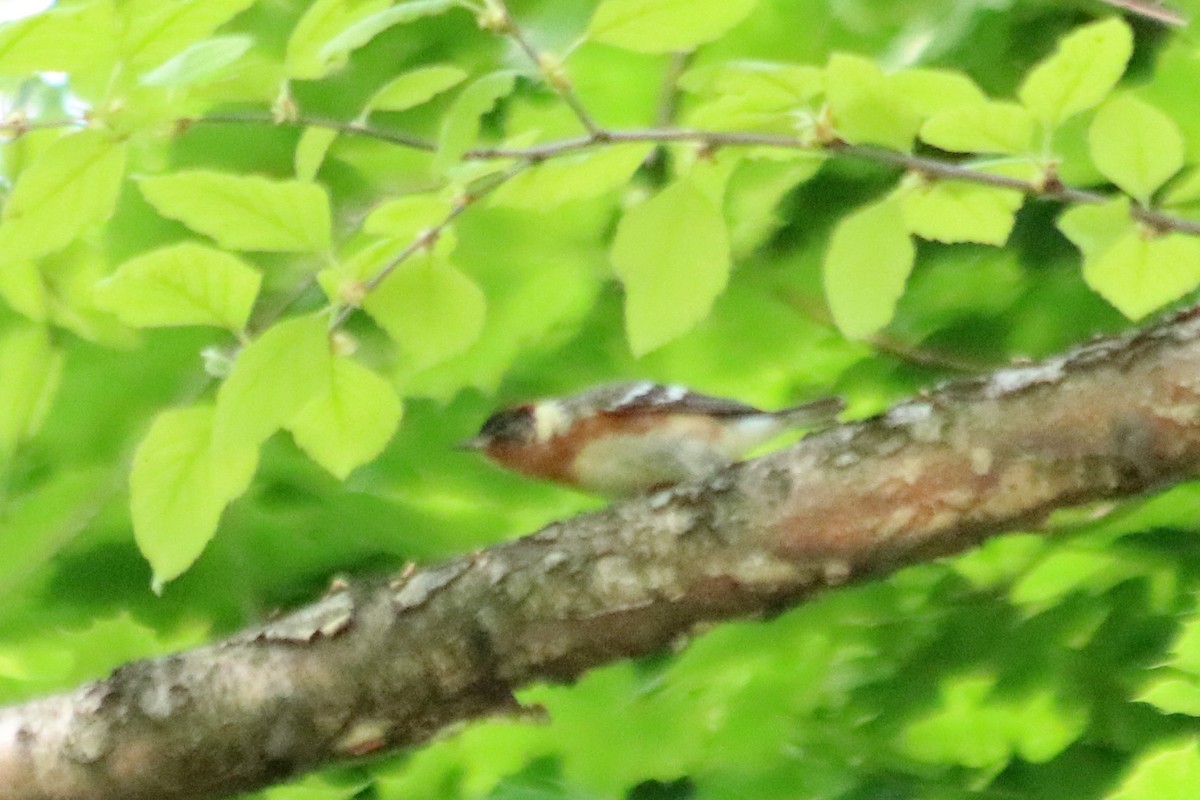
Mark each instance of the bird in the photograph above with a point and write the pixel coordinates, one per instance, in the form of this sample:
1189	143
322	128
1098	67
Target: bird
623	439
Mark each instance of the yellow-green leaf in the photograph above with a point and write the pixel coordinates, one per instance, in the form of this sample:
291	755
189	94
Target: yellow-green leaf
153	31
672	254
274	377
928	91
990	127
578	177
310	151
179	485
30	372
866	108
1140	274
866	267
432	310
321	22
665	26
415	87
769	84
1096	228
405	217
363	30
244	212
24	289
182	284
952	211
1167	773
201	60
460	126
1135	146
74	38
350	421
1080	73
71	185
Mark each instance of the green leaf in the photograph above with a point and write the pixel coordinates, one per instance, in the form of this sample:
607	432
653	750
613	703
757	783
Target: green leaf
754	192
460	126
154	31
415	87
929	91
69	39
30	372
672	254
406	217
1139	275
665	26
978	729
322	21
1185	191
1175	694
350	421
1135	146
180	484
866	108
244	212
1185	651
432	310
363	30
71	185
204	59
954	211
274	377
183	284
47	519
576	177
769	84
1079	74
24	289
868	262
1096	228
990	127
310	151
1168	773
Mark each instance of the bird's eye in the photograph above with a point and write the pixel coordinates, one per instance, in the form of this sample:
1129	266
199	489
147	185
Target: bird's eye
512	424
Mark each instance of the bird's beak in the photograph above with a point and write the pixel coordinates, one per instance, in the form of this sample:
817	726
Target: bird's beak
474	443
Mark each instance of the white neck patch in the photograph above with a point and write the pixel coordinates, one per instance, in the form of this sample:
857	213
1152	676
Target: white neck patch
549	420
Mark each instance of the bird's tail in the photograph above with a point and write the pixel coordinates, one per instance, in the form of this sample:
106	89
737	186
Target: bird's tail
813	412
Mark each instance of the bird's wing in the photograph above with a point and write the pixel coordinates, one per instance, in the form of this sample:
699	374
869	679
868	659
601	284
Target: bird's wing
646	397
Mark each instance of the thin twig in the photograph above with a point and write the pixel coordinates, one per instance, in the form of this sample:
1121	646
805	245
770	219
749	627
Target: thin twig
931	167
1158	12
551	72
429	237
307	121
17	125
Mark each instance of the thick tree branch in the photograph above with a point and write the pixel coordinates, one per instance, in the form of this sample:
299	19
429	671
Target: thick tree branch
374	667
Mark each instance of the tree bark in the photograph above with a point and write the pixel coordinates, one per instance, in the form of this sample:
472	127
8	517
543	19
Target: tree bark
376	666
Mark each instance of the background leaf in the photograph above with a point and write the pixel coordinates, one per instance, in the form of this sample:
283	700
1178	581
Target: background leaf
663	26
432	310
415	87
1079	74
179	485
244	212
273	378
866	267
350	421
72	185
1135	145
672	254
184	284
